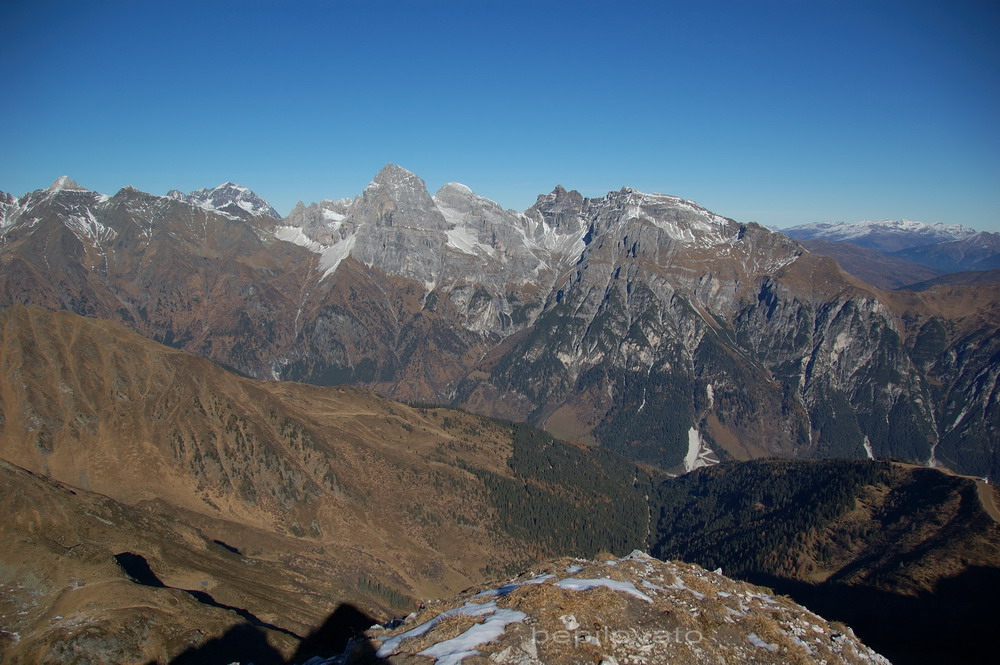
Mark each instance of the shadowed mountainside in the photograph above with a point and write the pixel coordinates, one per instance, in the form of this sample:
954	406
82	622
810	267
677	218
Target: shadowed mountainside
892	550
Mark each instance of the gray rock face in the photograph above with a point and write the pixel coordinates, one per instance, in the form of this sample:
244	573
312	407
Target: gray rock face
397	227
318	222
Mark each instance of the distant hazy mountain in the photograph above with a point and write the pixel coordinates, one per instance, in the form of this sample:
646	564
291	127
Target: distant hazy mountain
883	236
980	251
892	254
967	278
876	268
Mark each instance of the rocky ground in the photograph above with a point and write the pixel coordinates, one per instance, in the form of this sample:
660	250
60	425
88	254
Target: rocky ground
636	609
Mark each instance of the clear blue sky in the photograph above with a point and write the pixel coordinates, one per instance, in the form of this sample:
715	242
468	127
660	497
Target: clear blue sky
782	112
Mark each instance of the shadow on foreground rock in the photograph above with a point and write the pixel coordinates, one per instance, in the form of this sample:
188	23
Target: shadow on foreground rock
246	643
346	623
243	643
952	624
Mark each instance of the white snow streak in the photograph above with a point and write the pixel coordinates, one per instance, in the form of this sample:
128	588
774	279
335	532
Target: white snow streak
697	452
454	650
575	584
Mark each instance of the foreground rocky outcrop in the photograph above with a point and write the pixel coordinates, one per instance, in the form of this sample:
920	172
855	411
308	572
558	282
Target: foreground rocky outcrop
636	609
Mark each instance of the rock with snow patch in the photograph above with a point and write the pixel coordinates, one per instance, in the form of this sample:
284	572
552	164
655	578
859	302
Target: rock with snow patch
630	610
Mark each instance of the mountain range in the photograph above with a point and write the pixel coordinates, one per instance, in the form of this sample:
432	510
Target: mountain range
639	322
885	236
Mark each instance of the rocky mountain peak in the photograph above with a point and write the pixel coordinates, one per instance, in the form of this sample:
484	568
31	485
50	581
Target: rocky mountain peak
396	194
560	194
65	183
632	609
560	209
395	175
129	190
229	198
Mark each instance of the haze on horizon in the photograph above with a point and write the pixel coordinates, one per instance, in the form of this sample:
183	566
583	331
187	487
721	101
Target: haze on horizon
774	111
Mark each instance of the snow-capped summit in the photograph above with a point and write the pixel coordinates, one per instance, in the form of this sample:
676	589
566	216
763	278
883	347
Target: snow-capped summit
456	187
229	198
885	236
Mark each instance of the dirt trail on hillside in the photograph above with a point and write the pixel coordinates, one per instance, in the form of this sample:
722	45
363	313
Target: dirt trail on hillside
988	498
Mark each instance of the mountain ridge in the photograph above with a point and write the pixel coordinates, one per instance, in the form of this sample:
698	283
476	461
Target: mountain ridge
610	320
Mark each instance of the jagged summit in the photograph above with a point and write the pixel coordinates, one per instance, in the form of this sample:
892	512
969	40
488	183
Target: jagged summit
65	183
228	198
393	174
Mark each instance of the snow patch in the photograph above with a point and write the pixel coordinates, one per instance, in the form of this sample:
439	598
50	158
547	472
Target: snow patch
698	452
464	240
294	234
332	256
457	648
507	588
468	609
958	420
679	584
757	642
87	226
575	584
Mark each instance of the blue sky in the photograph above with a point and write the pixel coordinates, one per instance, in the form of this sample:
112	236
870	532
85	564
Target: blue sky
771	111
